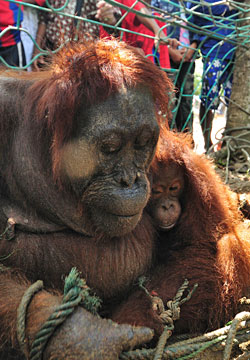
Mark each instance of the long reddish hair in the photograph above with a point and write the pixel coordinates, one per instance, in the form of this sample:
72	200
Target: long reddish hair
88	73
210	224
204	187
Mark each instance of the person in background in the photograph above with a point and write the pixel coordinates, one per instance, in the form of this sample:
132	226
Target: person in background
217	56
181	59
156	50
11	47
54	29
30	23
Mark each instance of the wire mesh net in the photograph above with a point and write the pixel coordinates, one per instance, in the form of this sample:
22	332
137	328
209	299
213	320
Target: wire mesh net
202	66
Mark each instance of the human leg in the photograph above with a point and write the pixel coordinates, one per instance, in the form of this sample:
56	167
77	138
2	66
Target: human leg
206	120
14	55
184	95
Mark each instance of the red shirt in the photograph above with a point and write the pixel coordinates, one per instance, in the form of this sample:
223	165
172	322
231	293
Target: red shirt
9	16
40	2
131	22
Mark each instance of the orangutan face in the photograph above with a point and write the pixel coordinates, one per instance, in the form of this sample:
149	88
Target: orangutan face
107	160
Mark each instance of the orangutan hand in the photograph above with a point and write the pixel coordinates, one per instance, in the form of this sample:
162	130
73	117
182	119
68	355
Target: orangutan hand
85	336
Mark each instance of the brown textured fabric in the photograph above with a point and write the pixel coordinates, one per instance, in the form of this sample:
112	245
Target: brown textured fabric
60	28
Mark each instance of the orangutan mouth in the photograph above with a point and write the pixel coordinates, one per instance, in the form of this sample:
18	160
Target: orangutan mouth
167	227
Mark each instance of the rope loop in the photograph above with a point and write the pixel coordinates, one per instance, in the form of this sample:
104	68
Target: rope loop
21	314
167	315
76	292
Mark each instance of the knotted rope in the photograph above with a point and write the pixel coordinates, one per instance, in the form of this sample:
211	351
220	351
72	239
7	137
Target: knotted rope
236	333
169	315
76	292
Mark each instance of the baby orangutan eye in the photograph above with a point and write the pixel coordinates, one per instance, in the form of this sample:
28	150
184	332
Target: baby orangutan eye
157	191
175	187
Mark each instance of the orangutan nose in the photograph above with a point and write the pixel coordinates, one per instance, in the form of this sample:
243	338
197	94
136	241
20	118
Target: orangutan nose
127	179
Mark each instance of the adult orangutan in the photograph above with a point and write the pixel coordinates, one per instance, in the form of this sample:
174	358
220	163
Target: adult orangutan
204	242
76	143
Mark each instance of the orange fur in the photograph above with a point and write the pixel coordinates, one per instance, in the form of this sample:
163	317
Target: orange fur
209	245
94	74
41	112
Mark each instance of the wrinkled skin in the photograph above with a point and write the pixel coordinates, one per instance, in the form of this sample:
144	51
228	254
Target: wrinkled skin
73	180
105	164
105	160
94	338
112	183
164	204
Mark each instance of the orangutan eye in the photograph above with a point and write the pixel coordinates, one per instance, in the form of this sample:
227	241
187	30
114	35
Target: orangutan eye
175	187
110	148
111	144
143	139
157	191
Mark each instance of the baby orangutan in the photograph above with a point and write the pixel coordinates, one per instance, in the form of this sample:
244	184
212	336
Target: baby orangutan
167	188
200	237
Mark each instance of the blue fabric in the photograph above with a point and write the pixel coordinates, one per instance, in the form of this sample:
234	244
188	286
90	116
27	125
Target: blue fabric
9	16
215	48
172	7
217	73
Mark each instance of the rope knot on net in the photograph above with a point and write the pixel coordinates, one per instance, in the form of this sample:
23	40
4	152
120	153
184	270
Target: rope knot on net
169	314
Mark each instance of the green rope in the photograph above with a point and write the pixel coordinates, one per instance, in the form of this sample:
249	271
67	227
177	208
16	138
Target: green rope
21	314
243	316
235	147
174	351
76	292
202	347
2	267
239	38
177	351
168	316
190	348
167	332
174	310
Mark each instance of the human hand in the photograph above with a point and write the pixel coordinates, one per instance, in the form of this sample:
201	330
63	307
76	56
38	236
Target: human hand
105	13
173	43
176	55
39	62
187	54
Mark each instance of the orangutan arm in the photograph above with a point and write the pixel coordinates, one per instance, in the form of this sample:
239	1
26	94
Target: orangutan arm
82	335
165	282
12	289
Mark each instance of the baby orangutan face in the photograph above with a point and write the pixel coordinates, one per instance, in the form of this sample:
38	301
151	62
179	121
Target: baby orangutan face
164	204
